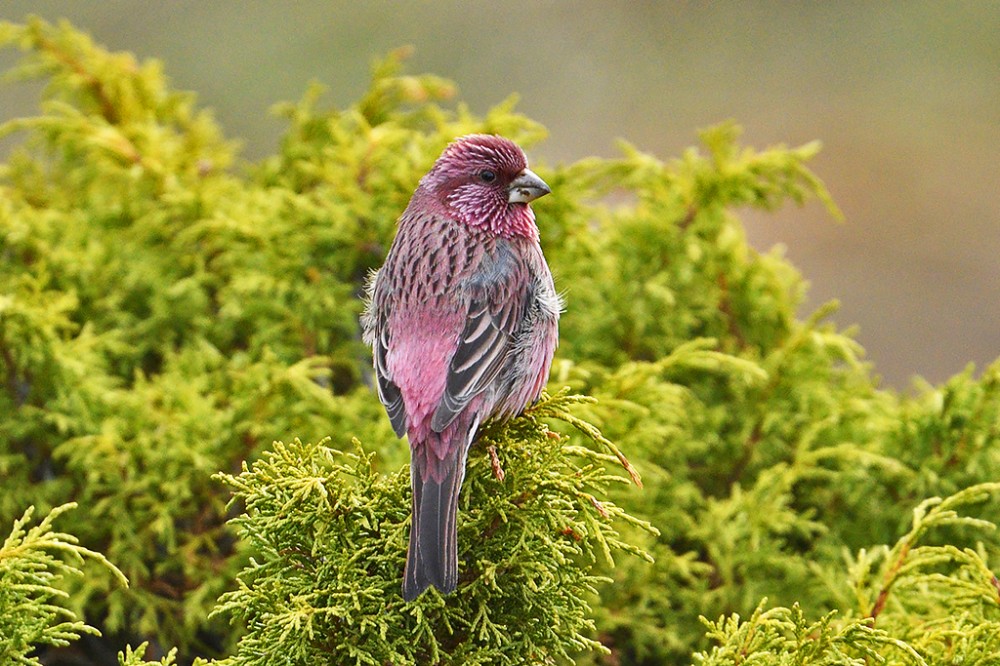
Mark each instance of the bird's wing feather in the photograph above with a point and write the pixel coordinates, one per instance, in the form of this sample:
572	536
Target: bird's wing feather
499	296
377	335
388	392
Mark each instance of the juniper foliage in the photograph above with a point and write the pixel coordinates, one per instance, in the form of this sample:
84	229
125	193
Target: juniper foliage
329	534
34	559
167	313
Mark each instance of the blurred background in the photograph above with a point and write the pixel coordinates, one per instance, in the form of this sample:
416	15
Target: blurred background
905	97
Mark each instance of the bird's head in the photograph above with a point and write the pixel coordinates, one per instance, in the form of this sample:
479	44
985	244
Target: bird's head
484	182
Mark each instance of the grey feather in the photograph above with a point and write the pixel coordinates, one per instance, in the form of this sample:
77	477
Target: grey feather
500	294
376	335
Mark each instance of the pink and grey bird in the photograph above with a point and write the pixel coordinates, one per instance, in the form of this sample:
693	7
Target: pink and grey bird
463	321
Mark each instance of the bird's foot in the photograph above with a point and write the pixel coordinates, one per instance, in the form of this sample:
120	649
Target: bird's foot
495	463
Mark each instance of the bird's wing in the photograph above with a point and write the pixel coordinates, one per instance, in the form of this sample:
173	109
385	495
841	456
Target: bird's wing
376	331
499	295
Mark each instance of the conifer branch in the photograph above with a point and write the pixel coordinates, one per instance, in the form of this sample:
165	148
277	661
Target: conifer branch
172	318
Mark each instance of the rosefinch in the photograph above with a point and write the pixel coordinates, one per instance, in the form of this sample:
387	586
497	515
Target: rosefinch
463	321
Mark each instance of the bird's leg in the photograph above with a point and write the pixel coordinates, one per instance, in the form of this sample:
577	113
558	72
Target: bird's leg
495	463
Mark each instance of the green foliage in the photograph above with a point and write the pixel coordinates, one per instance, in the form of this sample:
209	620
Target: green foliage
783	636
136	657
329	533
165	316
33	561
914	604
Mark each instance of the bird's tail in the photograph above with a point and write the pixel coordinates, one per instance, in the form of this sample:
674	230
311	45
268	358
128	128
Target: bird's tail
432	558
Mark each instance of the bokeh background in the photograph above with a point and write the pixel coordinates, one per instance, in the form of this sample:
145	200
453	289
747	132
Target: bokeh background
904	95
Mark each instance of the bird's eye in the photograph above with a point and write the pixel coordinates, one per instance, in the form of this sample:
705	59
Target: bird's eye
487	176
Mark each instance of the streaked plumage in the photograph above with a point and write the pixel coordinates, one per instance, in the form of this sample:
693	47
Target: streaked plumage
463	321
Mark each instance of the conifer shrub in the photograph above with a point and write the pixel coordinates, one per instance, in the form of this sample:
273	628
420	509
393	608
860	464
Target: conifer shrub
180	358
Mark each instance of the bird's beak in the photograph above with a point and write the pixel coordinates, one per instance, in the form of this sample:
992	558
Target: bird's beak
526	188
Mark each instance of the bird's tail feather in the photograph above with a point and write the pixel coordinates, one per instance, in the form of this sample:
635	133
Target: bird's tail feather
432	558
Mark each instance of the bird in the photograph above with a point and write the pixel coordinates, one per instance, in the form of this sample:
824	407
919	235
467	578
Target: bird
462	319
